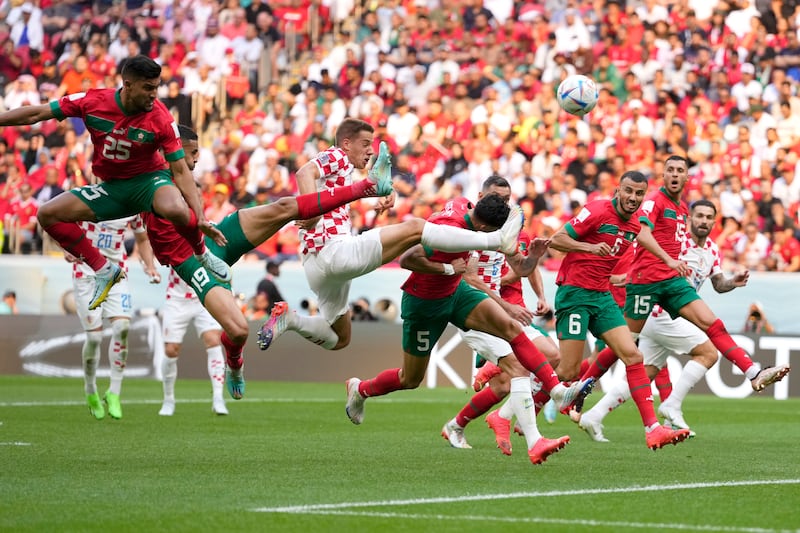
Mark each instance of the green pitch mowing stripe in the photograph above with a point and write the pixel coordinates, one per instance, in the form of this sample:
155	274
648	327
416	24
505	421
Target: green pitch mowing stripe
291	446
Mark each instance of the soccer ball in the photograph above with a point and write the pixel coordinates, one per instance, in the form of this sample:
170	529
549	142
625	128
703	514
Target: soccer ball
577	94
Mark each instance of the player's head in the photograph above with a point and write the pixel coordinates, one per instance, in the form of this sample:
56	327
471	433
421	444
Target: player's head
354	137
631	191
490	212
702	216
498	185
191	149
141	77
676	172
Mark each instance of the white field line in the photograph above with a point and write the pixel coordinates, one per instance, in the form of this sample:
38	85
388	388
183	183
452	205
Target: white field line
15	444
505	496
282	399
578	522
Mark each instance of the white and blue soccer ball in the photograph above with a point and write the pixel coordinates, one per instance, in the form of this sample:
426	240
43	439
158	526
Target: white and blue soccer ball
577	94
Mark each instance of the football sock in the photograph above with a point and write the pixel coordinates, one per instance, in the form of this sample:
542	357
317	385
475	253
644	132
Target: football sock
318	203
506	410
585	364
72	238
663	384
601	364
616	396
384	383
91	357
691	375
191	232
233	352
169	373
520	400
216	369
539	399
532	359
479	404
452	239
314	328
118	353
728	348
639	385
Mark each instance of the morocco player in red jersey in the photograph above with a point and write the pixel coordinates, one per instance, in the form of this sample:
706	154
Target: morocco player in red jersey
129	129
658	276
595	240
435	295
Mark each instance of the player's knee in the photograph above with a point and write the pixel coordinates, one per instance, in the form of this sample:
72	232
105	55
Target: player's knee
500	385
174	210
94	338
415	226
568	372
410	382
172	350
120	328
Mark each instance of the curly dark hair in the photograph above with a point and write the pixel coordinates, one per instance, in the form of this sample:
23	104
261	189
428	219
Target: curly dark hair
492	210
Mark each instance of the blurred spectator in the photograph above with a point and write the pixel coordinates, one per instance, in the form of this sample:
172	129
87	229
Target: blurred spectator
268	284
8	306
21	220
78	78
752	248
785	253
756	320
258	308
26	26
220	206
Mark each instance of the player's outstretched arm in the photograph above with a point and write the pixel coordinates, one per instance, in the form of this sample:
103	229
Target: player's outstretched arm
27	114
416	259
649	243
146	256
563	242
525	265
186	184
723	284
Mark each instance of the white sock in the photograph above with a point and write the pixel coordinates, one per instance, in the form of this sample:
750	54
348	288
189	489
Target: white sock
451	239
522	404
169	373
314	328
691	375
118	353
91	357
506	411
753	371
616	396
216	370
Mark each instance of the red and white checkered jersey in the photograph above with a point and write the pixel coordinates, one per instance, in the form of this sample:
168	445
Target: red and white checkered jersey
335	170
108	237
490	265
177	289
704	262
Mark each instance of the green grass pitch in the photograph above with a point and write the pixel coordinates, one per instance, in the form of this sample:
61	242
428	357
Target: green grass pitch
287	459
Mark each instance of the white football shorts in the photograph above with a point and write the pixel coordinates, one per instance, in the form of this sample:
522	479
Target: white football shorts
493	348
117	304
662	337
341	260
177	314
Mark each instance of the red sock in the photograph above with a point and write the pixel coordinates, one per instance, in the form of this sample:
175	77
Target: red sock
318	203
727	347
539	399
479	403
584	367
192	234
233	351
639	384
72	238
532	359
384	383
601	364
663	384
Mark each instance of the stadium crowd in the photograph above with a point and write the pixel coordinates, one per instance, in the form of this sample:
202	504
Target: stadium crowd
460	89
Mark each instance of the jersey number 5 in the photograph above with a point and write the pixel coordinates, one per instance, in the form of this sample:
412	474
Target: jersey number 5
116	149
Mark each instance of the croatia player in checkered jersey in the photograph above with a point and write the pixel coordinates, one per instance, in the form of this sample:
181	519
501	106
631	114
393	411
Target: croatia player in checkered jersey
182	308
108	237
332	256
659	277
663	336
490	269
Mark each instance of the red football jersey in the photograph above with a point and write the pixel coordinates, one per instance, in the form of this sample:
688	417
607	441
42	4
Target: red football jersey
512	293
433	286
125	145
667	219
168	245
623	267
597	222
